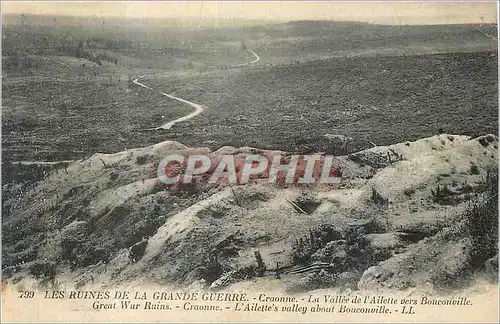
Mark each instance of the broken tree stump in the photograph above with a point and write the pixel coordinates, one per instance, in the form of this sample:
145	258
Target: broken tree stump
261	267
278	276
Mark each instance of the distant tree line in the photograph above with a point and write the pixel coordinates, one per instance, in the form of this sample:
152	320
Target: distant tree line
80	52
120	43
32	42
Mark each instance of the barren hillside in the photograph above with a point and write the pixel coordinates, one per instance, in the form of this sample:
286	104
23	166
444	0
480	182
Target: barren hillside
405	215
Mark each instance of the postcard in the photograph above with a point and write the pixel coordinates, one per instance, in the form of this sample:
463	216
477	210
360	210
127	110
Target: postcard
278	161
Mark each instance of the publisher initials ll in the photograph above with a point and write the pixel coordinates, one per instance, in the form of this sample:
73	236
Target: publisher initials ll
408	310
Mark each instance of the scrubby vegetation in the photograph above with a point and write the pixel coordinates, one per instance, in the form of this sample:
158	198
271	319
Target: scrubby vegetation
44	271
441	194
481	221
336	257
304	247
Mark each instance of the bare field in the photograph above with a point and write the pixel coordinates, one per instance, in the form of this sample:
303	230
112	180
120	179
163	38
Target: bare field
73	118
67	91
383	100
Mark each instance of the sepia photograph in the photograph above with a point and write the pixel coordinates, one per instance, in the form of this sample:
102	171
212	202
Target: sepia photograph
258	161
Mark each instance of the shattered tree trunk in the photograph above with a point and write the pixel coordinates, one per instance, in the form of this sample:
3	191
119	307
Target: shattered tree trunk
261	265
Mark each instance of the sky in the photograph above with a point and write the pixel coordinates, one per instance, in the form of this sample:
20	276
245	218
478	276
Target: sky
373	12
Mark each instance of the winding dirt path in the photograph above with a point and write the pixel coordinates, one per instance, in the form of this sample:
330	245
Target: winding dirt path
198	109
42	162
257	59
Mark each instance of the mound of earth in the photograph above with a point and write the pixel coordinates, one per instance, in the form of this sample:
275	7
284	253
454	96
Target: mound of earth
396	221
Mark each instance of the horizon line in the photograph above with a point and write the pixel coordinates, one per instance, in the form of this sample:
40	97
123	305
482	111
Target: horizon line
391	13
270	21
